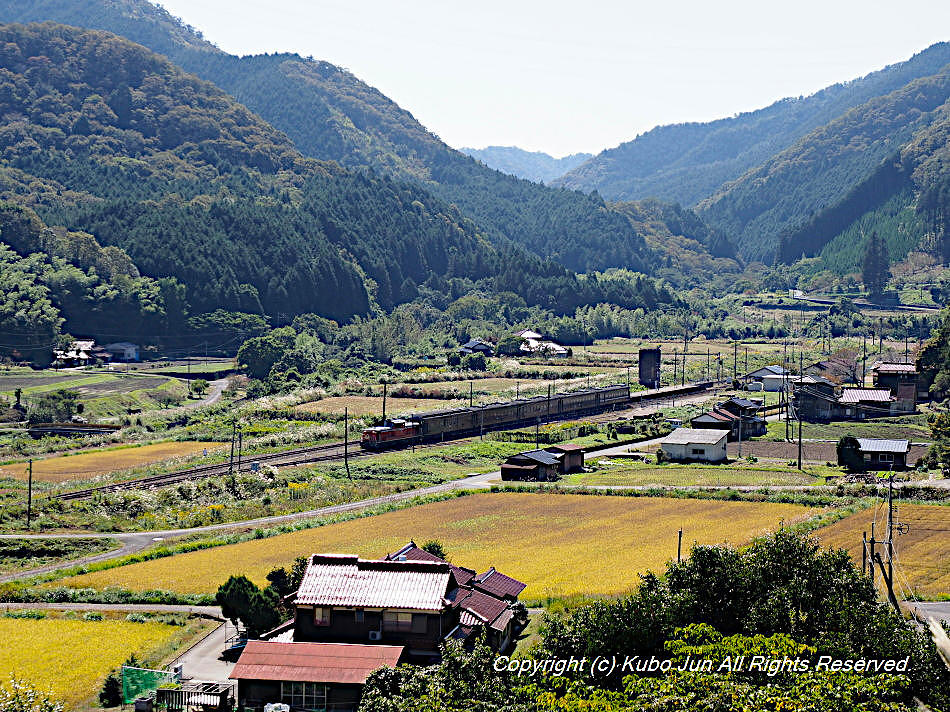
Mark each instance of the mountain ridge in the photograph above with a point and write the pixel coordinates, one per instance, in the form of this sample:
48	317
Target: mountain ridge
688	162
535	166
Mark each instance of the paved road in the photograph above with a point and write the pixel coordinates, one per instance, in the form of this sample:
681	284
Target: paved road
202	661
940	610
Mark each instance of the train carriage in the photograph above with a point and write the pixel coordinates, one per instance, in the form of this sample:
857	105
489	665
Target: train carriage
444	424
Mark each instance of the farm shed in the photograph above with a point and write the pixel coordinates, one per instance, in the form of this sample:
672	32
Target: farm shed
695	445
758	374
123	351
880	454
573	456
538	465
308	675
476	346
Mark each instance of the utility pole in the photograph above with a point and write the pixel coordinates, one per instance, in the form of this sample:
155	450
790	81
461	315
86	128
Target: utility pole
735	360
864	360
740	433
864	552
240	447
675	364
29	496
798	412
872	555
679	546
685	349
707	363
890	537
231	456
746	359
346	441
385	384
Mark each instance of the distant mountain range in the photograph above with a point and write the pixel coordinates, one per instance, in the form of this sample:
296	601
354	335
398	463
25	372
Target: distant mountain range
531	165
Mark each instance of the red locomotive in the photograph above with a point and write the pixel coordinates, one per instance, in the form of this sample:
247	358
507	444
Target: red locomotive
393	433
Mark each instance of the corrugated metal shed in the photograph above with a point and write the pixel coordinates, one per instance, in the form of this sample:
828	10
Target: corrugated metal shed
341	663
344	580
865	395
894	368
699	436
881	445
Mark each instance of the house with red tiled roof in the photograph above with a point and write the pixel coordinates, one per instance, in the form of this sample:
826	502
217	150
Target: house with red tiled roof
308	676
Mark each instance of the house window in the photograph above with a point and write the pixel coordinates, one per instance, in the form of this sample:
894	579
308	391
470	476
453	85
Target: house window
304	695
886	457
397	622
321	616
698	451
358	616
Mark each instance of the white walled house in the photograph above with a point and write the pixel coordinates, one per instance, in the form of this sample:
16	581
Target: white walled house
695	445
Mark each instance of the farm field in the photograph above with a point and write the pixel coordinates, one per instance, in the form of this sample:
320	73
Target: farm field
546	540
922	554
373	405
912	428
90	464
624	474
71	658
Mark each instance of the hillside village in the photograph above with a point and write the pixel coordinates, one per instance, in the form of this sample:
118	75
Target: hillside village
304	410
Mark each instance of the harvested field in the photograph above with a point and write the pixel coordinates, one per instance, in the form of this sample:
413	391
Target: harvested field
811	451
8	384
922	554
121	384
71	658
558	544
89	464
372	405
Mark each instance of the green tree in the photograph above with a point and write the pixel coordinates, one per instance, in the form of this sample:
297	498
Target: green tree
508	345
199	386
849	454
241	600
54	407
434	547
875	270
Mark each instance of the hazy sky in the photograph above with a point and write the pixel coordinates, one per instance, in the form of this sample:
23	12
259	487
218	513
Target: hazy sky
574	76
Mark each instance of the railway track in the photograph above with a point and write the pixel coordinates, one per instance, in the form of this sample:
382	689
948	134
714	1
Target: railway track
300	456
305	456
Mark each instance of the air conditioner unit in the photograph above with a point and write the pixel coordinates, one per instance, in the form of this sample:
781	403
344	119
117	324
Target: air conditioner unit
375	635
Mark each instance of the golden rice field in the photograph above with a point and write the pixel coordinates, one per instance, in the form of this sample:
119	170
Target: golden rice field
922	554
558	544
373	405
71	658
101	462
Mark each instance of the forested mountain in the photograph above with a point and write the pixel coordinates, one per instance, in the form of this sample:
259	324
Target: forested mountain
689	162
106	137
851	164
329	114
531	165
